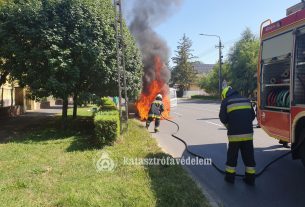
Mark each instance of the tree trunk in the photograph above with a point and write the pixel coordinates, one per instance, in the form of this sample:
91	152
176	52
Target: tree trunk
12	101
64	113
12	97
75	106
2	93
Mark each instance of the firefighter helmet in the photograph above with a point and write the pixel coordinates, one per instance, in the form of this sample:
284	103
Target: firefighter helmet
159	96
225	91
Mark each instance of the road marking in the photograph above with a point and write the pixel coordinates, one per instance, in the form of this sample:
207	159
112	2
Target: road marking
209	122
177	113
201	109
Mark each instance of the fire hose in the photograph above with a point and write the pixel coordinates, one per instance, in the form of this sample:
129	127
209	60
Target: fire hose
215	165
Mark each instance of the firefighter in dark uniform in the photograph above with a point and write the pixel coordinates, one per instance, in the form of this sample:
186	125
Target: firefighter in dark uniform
237	114
155	111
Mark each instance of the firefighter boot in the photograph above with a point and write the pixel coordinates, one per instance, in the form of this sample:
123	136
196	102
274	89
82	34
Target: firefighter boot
284	143
147	125
157	129
230	177
249	179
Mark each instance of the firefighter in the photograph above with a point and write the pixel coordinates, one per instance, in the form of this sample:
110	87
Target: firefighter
237	114
155	112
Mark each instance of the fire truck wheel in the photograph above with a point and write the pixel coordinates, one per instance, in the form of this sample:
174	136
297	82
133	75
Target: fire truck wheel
302	147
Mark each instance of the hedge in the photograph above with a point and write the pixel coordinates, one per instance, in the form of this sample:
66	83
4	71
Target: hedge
107	126
107	104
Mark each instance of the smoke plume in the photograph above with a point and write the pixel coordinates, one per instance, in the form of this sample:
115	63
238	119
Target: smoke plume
147	14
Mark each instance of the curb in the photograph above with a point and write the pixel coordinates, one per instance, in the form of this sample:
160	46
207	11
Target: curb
211	199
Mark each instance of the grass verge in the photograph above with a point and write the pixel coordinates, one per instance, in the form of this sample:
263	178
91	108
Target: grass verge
202	97
50	167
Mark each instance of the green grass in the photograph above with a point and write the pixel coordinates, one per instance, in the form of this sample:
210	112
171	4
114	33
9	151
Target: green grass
202	97
82	111
57	168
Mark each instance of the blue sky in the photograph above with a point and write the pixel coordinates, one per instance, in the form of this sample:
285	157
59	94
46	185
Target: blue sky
227	19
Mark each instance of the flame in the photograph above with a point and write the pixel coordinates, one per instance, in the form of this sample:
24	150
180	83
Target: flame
157	86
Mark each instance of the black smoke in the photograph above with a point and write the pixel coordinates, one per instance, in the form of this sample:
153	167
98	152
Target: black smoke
145	16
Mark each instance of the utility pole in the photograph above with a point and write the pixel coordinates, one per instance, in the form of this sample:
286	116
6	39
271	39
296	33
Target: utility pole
220	47
120	46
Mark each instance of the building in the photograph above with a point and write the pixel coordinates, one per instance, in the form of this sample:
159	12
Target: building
12	100
202	68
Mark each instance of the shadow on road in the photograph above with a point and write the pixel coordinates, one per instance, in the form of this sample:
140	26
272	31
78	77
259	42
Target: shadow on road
171	184
285	176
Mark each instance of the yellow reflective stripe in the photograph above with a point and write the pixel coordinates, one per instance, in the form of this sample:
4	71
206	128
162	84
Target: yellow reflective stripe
240	137
230	169
154	116
250	170
157	102
224	92
234	108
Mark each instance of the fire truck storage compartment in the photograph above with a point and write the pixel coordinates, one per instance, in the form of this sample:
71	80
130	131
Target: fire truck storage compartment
299	76
276	81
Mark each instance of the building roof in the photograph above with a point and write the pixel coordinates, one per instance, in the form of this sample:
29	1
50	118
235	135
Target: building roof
202	68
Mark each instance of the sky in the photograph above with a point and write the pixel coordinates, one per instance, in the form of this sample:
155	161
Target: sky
225	18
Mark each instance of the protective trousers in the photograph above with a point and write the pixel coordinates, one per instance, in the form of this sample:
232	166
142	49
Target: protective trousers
157	122
247	153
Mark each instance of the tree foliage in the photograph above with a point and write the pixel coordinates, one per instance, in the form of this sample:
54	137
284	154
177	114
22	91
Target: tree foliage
243	63
183	72
240	67
64	47
210	82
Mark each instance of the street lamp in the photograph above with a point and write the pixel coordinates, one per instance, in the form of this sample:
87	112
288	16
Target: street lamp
220	46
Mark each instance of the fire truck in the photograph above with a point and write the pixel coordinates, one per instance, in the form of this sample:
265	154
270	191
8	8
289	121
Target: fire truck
281	79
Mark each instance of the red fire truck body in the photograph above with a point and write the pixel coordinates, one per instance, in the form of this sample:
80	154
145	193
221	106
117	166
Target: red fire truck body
281	79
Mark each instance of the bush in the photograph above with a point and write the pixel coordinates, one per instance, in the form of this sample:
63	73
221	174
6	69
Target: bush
107	127
107	104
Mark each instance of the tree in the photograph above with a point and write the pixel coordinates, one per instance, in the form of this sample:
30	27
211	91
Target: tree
133	68
63	47
243	63
183	72
134	65
210	82
240	67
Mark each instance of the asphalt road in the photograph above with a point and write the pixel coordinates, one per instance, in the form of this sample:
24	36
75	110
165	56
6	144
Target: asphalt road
283	184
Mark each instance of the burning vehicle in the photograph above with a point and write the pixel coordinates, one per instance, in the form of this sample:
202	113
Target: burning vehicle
155	53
